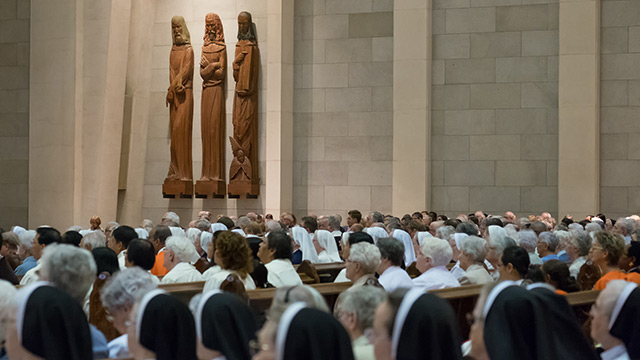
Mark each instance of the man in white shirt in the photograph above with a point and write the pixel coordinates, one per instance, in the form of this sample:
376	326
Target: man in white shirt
432	260
119	242
392	276
179	252
45	236
275	254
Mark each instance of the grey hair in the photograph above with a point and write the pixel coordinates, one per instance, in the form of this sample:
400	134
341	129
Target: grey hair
147	224
273	225
203	225
576	226
593	227
26	238
111	225
563	237
377	217
334	222
367	255
392	249
69	268
474	246
173	219
361	301
467	227
581	240
94	240
445	232
550	239
126	287
285	296
243	221
438	250
627	225
182	247
528	240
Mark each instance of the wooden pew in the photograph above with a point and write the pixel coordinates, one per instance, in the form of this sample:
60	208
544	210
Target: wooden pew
327	272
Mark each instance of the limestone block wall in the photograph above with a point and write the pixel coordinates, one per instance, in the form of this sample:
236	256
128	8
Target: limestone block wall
620	108
14	112
343	106
494	106
158	140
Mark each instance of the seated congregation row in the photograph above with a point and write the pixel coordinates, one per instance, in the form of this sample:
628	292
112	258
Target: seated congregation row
374	245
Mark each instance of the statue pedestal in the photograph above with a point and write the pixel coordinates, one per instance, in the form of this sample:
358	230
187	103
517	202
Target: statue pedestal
177	189
214	189
246	189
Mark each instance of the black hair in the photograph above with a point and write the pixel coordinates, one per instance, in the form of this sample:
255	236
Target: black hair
106	260
281	242
417	214
310	223
141	253
161	233
493	221
226	221
124	234
634	251
535	274
518	257
72	238
359	236
558	272
48	235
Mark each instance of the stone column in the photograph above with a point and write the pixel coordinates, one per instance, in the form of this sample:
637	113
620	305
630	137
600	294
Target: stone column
411	106
278	179
579	108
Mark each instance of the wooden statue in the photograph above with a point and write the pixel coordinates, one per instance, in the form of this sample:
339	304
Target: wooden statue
179	181
246	66
213	70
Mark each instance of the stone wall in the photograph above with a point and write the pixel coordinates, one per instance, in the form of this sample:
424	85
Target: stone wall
14	113
620	108
343	106
494	106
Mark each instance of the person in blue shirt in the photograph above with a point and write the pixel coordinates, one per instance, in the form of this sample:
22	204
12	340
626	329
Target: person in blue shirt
26	242
547	246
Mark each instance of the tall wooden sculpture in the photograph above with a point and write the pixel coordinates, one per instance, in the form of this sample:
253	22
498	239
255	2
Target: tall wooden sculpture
243	174
179	181
213	70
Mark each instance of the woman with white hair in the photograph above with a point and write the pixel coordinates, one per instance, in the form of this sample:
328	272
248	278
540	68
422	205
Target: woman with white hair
325	246
472	252
93	240
355	309
433	258
578	248
118	296
285	296
497	241
364	259
529	241
179	254
29	262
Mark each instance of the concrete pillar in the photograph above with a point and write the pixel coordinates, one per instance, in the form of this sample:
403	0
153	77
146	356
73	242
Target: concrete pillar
579	108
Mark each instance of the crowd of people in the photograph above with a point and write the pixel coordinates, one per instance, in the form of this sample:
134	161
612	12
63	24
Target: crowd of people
72	282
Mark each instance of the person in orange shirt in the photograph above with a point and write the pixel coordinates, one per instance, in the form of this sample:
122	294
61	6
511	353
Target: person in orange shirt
605	252
158	237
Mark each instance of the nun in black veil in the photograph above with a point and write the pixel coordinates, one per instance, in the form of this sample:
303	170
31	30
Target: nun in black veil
162	328
625	319
49	324
225	326
304	333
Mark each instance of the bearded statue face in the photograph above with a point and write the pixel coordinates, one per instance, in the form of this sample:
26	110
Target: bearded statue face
179	31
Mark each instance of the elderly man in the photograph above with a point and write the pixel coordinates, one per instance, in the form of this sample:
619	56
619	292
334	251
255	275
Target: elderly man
275	254
119	242
433	258
624	227
610	322
288	220
529	241
45	236
364	259
392	276
118	296
355	309
547	246
179	252
472	251
73	270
